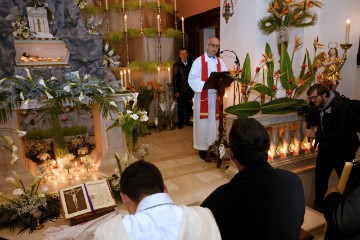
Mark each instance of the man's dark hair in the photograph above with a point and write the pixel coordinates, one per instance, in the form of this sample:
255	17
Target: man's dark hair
320	89
141	179
183	49
249	141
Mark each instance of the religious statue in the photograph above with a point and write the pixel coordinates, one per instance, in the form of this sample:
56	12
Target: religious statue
332	65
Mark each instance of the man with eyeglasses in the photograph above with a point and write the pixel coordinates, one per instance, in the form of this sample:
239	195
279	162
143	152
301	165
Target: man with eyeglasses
206	102
338	141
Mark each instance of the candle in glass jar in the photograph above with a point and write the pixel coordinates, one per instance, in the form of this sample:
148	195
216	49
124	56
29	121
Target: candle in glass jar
182	25
347	32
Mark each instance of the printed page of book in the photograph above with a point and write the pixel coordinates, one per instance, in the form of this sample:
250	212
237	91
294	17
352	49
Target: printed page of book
74	201
99	194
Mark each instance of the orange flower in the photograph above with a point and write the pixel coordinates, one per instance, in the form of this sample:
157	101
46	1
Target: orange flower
317	44
266	59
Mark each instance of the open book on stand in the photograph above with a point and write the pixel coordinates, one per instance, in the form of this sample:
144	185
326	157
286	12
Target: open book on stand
87	201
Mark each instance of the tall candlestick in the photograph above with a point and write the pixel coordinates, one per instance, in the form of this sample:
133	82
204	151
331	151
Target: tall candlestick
347	33
169	75
125	23
130	80
158	3
158	23
122	79
175	5
344	177
123	4
106	5
158	78
182	25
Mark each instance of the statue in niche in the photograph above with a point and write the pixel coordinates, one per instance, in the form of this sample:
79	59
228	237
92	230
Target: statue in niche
332	65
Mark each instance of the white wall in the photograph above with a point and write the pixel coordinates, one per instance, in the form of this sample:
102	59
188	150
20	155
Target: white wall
242	35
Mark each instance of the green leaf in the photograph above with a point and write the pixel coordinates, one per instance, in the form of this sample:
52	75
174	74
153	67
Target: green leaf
262	89
244	109
282	105
286	69
307	80
270	67
246	72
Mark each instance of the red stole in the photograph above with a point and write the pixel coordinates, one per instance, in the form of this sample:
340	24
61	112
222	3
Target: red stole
204	105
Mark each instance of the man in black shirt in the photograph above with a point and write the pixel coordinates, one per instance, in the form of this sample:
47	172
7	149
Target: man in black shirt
182	90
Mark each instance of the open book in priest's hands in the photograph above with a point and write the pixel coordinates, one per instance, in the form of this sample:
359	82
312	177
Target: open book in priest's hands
87	200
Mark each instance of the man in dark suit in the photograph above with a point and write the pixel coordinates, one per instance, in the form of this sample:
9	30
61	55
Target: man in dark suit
182	90
259	202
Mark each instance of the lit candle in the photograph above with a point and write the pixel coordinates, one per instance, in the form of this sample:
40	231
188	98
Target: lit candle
123	4
130	80
169	75
158	23
106	5
158	3
140	3
347	33
344	177
182	25
175	5
122	79
125	23
125	84
158	78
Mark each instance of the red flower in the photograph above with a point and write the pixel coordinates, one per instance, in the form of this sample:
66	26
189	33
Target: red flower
303	66
274	88
290	81
257	69
315	68
289	91
308	74
243	90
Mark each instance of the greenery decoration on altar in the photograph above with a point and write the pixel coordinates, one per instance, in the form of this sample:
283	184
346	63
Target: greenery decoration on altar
30	208
129	120
165	7
149	67
117	36
283	78
289	13
53	95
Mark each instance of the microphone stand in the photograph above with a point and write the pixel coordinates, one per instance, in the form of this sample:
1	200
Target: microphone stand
237	62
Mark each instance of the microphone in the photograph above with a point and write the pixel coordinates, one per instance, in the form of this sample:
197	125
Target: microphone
237	62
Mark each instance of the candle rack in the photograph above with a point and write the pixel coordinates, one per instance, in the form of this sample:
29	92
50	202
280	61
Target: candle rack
141	20
127	49
170	91
107	21
183	40
175	16
159	47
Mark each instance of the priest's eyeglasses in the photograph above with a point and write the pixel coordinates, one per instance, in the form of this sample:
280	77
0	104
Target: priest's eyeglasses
213	45
313	98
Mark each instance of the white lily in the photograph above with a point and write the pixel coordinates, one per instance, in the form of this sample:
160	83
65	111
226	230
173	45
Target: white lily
44	189
111	52
125	101
48	95
129	111
81	97
20	133
99	90
22	96
14	158
112	90
76	73
42	82
106	47
112	103
144	118
67	88
21	77
134	116
25	104
18	191
53	78
28	73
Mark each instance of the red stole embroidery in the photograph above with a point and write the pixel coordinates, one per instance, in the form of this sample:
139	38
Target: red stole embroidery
204	105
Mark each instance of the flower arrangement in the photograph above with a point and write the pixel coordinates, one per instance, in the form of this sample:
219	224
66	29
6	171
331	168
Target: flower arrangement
289	13
7	143
21	29
129	119
114	180
109	59
147	93
30	207
291	85
167	112
92	25
35	150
